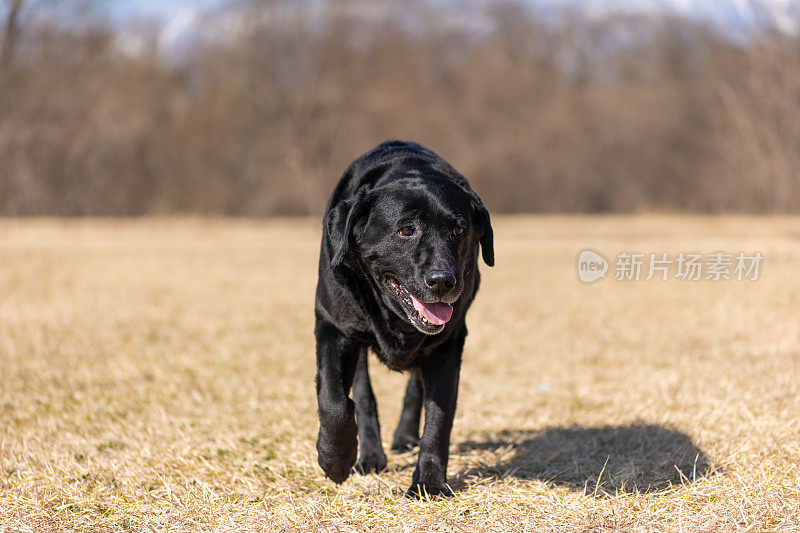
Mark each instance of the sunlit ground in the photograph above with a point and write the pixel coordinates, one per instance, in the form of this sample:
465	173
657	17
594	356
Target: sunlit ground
159	373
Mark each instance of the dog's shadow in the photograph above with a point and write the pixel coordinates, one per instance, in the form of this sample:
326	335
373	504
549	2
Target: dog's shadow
601	461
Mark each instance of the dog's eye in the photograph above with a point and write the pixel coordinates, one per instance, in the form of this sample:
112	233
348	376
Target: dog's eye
458	230
406	231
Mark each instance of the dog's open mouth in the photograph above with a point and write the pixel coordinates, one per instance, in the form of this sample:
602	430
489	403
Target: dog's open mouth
428	317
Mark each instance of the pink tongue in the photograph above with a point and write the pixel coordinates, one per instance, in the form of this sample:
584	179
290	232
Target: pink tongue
436	313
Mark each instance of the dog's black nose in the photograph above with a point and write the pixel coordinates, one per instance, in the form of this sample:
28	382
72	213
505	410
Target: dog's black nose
440	280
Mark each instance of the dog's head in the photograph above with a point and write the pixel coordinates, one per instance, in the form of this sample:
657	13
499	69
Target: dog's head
417	238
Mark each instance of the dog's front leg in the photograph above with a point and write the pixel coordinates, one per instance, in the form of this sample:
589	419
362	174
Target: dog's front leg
337	442
440	379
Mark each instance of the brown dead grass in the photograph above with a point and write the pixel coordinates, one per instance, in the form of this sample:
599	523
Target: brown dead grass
159	374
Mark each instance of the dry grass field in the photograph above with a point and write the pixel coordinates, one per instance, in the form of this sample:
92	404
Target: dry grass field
158	374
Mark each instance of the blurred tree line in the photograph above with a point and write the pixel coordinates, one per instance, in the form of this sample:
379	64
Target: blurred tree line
272	100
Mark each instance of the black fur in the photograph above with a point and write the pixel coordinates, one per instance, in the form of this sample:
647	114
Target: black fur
363	258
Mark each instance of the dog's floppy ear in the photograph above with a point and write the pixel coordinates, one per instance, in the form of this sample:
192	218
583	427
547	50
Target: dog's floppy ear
340	222
483	226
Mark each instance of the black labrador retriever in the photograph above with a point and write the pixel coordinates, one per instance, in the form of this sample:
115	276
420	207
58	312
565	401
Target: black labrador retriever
398	270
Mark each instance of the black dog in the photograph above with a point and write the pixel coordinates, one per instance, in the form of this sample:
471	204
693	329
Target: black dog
398	270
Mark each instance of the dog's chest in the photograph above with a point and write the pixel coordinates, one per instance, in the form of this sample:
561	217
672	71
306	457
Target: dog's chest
402	352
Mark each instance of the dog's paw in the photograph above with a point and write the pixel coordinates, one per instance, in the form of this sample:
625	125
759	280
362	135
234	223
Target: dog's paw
371	462
336	468
422	491
337	463
337	454
404	443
